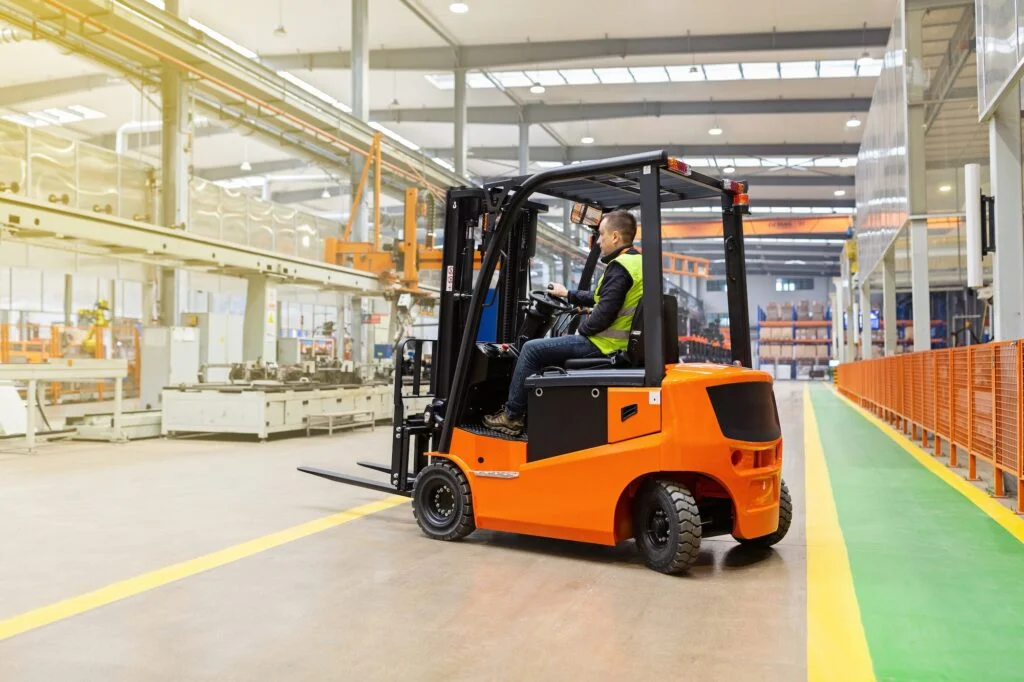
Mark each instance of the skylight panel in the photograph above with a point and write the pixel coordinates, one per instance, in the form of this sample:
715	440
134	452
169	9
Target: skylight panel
685	74
546	77
827	162
513	79
475	79
649	74
580	76
759	71
747	162
798	69
870	69
837	68
441	81
614	76
85	112
723	72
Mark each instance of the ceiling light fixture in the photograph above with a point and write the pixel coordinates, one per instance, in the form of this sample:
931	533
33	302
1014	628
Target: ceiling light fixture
458	8
840	193
280	31
945	188
715	131
853	122
245	166
537	89
865	59
326	194
586	139
728	170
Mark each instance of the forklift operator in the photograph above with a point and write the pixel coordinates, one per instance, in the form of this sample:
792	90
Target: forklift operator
603	332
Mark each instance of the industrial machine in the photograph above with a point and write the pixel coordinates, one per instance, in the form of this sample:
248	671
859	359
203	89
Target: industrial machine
635	445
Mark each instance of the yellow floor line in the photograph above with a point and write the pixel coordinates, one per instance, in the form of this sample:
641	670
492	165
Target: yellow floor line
836	646
998	512
149	581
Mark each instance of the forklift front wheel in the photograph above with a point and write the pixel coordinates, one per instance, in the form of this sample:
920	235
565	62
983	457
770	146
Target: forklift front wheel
442	503
666	525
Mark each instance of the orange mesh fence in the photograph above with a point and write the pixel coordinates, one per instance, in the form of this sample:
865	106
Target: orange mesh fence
971	397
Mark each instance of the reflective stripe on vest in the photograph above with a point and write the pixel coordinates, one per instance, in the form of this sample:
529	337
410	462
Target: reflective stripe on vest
616	336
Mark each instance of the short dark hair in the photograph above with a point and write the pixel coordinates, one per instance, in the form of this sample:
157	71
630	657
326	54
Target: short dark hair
622	222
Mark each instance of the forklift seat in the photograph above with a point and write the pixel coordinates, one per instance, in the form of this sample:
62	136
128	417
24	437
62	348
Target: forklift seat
633	356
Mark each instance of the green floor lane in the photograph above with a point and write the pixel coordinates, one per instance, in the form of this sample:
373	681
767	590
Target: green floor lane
939	583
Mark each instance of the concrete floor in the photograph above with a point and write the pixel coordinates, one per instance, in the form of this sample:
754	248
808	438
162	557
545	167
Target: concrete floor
368	600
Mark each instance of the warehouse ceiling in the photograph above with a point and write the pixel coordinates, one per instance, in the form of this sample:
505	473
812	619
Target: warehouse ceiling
770	92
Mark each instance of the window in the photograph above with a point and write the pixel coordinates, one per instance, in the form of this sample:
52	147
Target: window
793	284
716	285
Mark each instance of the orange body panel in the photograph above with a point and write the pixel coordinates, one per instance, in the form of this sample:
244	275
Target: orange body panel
645	420
586	495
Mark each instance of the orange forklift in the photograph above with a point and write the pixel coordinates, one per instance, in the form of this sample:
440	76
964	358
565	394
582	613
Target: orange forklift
636	445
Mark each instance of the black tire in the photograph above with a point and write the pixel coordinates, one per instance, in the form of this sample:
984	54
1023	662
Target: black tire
666	525
785	519
442	503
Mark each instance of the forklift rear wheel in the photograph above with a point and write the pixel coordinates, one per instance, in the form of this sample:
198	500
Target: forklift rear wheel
666	524
442	503
785	519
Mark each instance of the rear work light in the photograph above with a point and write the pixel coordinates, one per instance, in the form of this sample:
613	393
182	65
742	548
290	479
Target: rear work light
679	166
734	187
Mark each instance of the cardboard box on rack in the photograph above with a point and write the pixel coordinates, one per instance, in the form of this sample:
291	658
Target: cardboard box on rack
786	311
771	312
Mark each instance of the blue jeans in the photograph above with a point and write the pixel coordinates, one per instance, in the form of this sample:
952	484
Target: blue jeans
538	354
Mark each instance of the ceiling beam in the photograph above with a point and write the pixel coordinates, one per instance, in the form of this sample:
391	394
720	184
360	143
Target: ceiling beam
30	92
152	138
559	113
522	54
214	174
592	152
775	180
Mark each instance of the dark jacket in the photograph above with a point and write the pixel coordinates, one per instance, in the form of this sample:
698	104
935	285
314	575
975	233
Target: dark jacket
616	284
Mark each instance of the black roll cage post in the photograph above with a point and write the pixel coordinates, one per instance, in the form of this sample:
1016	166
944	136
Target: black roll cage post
650	166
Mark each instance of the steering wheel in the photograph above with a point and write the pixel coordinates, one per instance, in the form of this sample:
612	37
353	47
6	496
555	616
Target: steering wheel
551	303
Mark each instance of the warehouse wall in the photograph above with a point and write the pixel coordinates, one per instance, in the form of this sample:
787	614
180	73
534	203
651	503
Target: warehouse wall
761	292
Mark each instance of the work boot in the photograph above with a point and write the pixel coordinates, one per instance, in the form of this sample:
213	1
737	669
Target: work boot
503	422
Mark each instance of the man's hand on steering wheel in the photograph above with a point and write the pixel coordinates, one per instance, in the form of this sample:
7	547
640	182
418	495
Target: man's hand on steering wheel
557	289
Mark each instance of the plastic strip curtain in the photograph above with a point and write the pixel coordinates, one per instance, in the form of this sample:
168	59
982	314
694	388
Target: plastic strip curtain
1000	45
882	165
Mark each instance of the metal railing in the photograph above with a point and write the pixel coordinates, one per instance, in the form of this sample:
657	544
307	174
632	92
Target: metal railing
970	396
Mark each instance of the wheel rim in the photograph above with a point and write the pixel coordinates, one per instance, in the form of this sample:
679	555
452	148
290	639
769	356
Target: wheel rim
439	504
656	531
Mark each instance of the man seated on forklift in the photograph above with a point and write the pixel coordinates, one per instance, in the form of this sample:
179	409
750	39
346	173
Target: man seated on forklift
603	332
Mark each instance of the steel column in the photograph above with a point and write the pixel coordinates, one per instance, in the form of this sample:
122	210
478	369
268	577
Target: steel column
360	107
1008	275
918	181
889	301
460	151
524	148
865	311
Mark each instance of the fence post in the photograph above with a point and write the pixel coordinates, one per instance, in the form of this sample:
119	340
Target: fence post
972	461
937	450
1019	396
997	474
952	412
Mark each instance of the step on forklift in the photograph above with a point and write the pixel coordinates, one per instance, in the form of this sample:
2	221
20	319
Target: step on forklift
637	445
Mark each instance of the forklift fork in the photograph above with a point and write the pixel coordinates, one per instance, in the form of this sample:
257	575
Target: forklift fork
414	430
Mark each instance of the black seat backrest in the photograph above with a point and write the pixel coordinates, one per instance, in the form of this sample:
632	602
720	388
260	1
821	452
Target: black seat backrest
669	331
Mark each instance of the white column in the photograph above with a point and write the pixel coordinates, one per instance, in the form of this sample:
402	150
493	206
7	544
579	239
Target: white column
865	309
259	335
889	300
918	181
360	109
461	150
837	322
851	321
1007	268
857	328
524	148
69	301
174	174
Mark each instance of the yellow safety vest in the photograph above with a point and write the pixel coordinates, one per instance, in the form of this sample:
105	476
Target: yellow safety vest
616	336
